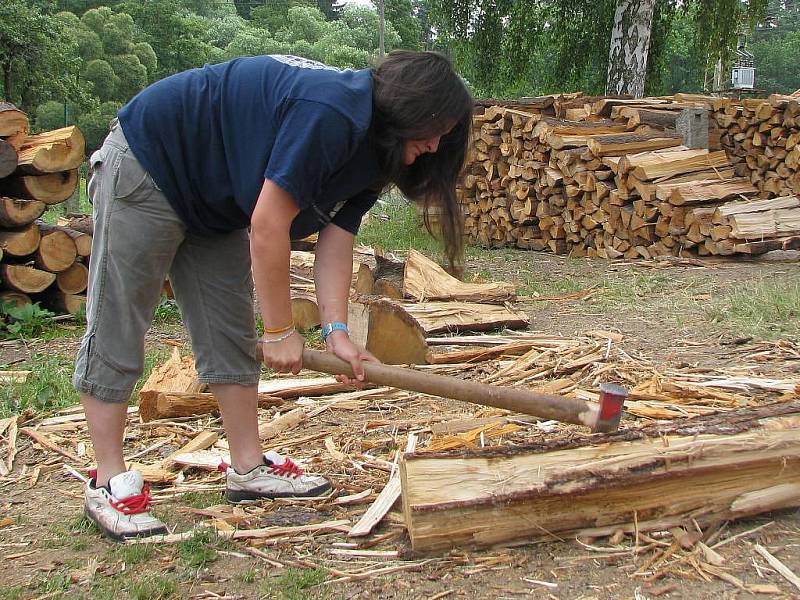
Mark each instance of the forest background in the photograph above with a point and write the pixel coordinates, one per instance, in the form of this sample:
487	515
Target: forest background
78	61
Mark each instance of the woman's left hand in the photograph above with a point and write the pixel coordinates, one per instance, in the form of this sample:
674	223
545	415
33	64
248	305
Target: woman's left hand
340	344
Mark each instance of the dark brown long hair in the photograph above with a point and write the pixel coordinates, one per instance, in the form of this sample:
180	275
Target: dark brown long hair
417	96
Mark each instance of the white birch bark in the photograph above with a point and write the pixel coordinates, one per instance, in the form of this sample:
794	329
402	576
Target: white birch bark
630	42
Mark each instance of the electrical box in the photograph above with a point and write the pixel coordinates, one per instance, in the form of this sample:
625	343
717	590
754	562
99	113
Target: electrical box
743	78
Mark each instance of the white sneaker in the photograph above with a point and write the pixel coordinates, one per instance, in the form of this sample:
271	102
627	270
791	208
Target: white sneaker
278	477
124	511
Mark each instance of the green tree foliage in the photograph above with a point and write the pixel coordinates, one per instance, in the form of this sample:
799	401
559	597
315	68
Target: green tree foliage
100	74
400	13
95	122
49	116
776	48
38	60
506	47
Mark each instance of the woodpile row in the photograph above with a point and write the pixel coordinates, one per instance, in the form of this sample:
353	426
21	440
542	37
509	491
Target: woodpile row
40	261
610	177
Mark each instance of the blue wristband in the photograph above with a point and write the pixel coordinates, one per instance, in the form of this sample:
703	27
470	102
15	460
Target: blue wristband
331	327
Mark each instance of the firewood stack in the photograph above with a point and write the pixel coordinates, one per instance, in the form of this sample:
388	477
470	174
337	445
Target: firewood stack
39	262
618	182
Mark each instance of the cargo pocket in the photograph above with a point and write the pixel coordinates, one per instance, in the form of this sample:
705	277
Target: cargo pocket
131	182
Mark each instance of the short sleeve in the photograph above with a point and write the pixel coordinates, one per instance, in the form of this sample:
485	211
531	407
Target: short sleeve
312	142
349	217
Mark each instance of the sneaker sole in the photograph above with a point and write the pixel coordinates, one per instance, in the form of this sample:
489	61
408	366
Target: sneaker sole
244	497
121	537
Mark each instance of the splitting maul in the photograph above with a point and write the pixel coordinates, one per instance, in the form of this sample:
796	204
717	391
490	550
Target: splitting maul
602	416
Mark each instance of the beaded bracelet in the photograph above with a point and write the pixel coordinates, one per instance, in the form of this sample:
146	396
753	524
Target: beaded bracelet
279	339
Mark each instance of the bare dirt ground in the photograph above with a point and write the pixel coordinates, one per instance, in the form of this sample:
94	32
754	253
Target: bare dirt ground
672	315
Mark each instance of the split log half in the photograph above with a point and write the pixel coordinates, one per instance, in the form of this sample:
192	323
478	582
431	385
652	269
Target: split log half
28	280
709	190
83	241
74	279
721	214
625	143
57	251
50	189
765	224
20	242
702	470
8	158
664	165
395	332
52	151
16	213
12	120
305	311
176	375
425	280
171	405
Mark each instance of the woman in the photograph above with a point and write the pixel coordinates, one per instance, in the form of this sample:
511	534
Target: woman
284	147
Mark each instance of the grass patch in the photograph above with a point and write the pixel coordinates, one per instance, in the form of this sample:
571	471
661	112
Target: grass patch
249	575
153	587
49	386
201	499
628	290
201	549
13	592
132	554
167	312
53	582
394	225
76	533
294	584
767	309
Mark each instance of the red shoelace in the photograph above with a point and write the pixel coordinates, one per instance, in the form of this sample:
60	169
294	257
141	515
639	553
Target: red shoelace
132	505
287	469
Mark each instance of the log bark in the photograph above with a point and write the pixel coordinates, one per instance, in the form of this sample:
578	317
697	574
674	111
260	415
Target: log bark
629	143
83	224
52	188
171	405
8	158
51	152
21	278
424	281
20	242
57	250
705	469
16	213
13	121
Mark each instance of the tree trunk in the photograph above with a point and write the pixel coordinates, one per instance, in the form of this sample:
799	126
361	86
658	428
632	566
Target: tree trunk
630	42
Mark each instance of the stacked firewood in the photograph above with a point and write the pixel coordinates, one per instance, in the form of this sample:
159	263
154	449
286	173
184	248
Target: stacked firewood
618	182
39	261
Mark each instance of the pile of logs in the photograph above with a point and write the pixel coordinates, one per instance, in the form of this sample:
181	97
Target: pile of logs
39	261
617	181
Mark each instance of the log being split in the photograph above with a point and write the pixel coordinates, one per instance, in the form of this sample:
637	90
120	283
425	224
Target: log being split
690	472
601	416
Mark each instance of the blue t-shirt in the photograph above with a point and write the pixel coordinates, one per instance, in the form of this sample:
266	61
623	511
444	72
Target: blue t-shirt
210	136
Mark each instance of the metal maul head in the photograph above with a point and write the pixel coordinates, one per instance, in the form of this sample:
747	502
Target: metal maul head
612	401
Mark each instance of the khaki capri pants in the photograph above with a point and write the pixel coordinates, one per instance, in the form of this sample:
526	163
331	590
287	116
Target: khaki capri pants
138	241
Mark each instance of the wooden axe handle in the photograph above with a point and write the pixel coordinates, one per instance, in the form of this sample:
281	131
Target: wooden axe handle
546	406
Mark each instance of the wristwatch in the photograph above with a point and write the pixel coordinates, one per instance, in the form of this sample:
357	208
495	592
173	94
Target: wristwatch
331	327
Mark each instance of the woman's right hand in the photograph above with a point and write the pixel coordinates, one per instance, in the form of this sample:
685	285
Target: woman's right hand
285	356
